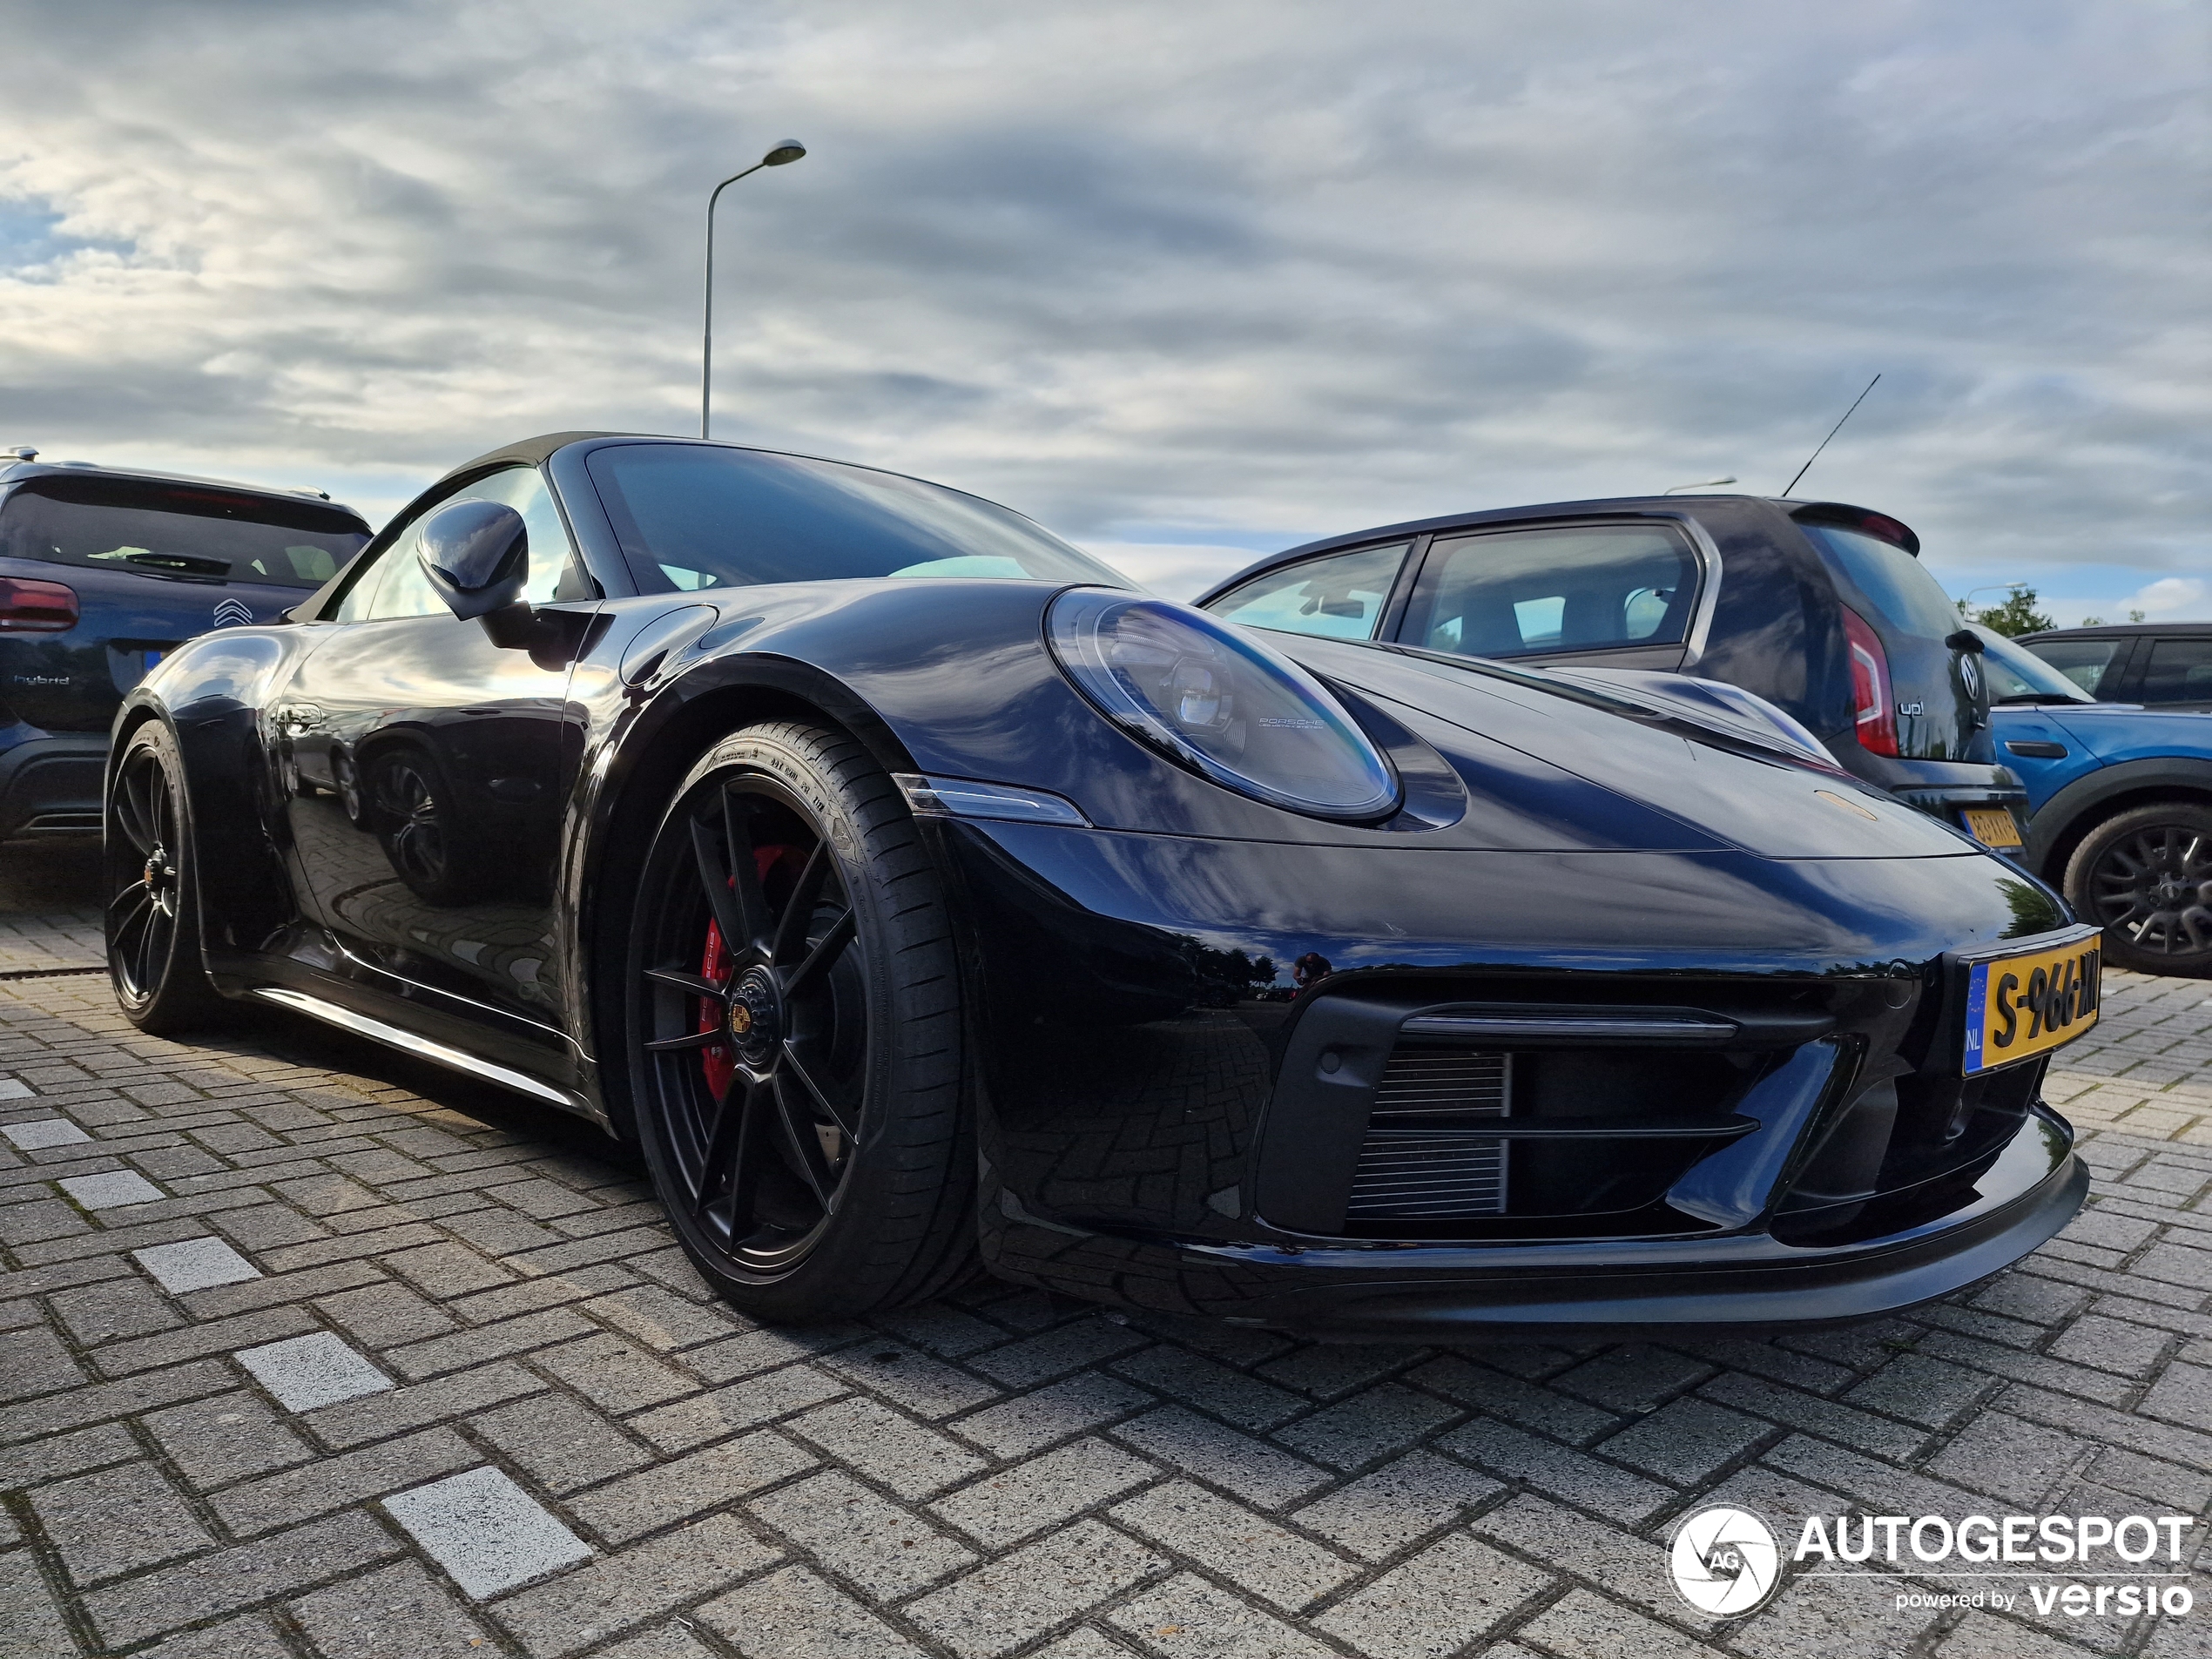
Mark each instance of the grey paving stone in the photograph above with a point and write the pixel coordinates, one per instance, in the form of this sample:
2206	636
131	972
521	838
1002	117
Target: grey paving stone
35	1626
1017	1597
288	1498
924	1386
794	1614
384	1315
615	1375
561	1443
1797	1409
1560	1471
672	1490
111	1190
1921	1390
1256	1555
886	1448
1199	1447
215	1441
1634	1377
1580	1625
1686	1440
374	1416
1031	1422
2119	1346
116	1521
36	1134
2182	1394
2006	1457
96	1313
1329	1371
1629	1567
1379	1423
885	1550
1454	1592
763	1348
169	1597
725	1411
1381	1512
1004	1509
1188	1618
1513	1399
195	1264
1212	1388
486	1532
33	1361
197	1341
644	1582
250	1635
1054	1353
396	1612
94	1405
661	1321
304	1372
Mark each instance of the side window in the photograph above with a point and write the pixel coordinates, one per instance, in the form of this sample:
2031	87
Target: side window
1340	596
2180	671
397	587
1514	593
2087	663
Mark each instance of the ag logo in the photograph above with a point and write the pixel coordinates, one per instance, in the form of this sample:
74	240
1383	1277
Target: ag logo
233	613
1725	1561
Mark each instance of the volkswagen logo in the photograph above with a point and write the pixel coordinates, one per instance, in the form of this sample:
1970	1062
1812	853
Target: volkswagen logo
1725	1561
1970	677
233	613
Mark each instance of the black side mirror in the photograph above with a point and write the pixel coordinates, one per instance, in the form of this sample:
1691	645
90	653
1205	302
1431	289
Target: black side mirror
476	554
1966	640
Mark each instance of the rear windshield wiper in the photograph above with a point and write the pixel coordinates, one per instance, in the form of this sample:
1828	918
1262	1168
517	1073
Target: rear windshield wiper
2041	698
182	563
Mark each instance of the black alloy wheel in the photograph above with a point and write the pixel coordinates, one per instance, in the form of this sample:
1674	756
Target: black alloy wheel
152	922
2145	877
794	1032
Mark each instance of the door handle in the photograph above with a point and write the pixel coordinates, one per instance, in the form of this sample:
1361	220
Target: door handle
2033	750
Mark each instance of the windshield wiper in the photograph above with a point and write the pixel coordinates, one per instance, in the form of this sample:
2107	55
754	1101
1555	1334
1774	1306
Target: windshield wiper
2041	698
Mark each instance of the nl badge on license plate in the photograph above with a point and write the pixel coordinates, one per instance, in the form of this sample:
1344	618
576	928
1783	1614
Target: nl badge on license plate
2028	1004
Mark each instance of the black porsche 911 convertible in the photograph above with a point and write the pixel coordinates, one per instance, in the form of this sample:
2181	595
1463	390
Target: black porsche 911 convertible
919	896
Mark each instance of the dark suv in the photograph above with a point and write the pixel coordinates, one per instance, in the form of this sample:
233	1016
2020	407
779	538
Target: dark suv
2159	664
101	572
1821	608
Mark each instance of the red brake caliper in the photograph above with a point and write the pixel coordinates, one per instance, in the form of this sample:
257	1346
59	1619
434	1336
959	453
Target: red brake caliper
716	963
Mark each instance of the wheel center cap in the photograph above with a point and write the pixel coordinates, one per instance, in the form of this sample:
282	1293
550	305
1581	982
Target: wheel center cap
755	1017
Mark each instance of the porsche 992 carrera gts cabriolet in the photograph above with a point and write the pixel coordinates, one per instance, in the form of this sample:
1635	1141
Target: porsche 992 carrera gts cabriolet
919	896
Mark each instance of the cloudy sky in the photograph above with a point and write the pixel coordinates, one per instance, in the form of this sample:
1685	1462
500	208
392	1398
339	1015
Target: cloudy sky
1186	282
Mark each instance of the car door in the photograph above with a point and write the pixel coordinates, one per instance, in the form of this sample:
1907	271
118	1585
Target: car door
1619	594
2175	673
431	771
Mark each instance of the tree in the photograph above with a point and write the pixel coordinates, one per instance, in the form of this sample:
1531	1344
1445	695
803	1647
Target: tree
2016	615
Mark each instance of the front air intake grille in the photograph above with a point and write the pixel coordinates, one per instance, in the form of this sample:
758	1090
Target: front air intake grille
1430	1171
1444	1082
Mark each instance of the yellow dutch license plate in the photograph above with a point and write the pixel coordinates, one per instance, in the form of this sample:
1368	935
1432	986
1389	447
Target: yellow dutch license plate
2025	1005
1992	826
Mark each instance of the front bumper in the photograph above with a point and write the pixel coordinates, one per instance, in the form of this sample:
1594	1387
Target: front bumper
1748	1282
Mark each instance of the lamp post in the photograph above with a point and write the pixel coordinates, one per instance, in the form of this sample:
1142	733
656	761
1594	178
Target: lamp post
1702	483
782	156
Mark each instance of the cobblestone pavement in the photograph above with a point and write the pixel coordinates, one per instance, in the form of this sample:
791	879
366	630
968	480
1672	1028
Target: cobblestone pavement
306	1352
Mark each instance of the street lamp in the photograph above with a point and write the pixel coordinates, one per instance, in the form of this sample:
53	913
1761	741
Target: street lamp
782	156
1702	483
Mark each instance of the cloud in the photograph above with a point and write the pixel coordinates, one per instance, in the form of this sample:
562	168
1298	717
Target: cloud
2169	595
1218	277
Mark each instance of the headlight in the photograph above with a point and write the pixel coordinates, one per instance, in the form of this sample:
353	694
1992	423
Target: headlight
1219	702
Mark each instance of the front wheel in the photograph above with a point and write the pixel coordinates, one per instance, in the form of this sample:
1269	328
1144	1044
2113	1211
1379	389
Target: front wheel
793	1028
2145	877
152	917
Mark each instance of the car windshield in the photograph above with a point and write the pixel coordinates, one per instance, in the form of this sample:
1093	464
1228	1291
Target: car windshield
1893	581
2018	675
696	515
164	529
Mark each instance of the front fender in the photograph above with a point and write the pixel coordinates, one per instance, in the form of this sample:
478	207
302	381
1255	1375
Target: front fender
2067	814
211	691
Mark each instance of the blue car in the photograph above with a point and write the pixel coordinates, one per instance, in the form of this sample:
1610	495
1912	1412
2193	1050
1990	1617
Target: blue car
2119	798
104	571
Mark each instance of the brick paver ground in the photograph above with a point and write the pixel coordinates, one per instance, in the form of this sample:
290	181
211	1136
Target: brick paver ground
362	1360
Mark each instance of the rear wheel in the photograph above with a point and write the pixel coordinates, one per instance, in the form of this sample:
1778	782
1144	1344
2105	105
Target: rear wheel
2145	877
152	917
794	1033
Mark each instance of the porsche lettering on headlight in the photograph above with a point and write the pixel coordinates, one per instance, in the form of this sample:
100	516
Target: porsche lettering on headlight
1219	702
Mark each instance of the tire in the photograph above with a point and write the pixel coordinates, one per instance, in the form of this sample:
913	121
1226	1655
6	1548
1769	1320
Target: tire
152	917
2145	877
799	1097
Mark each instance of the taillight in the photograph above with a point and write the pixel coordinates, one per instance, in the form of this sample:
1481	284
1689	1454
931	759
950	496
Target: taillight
1873	710
27	607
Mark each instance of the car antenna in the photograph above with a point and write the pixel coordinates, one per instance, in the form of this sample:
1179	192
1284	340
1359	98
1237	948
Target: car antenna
1832	431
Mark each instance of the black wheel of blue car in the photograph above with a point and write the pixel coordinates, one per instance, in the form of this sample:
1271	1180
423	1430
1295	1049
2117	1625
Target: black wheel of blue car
2145	877
793	1028
152	922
